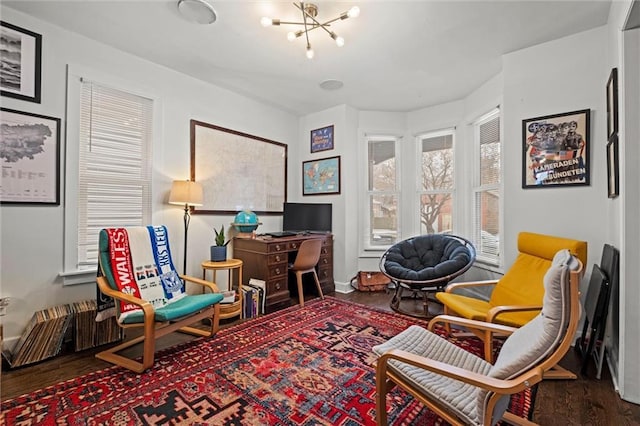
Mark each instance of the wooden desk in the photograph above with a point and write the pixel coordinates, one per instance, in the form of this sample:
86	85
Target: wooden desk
267	258
227	310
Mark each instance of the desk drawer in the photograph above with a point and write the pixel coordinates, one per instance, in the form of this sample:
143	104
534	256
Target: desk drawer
276	258
277	271
325	273
276	286
277	247
325	261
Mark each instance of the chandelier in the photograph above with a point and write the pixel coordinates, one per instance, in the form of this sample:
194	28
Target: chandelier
309	22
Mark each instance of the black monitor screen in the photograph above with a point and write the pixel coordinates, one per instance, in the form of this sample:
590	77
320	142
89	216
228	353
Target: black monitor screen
307	217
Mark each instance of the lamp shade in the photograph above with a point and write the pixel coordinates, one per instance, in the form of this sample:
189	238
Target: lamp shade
186	192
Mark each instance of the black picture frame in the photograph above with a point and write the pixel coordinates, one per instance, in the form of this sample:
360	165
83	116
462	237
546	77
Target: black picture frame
21	60
613	173
612	103
556	149
321	177
322	139
30	158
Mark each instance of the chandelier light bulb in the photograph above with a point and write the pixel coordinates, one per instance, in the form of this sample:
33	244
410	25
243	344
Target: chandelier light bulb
291	36
309	52
265	21
339	41
354	12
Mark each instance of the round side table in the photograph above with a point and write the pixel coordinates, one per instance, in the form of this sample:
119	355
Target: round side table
227	310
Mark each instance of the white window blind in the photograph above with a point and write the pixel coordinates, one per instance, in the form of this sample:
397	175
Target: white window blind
114	187
487	210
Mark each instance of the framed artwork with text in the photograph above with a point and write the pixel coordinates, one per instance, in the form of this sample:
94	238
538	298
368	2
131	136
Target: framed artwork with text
555	150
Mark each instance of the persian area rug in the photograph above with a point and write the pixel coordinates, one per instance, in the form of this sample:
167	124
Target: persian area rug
298	366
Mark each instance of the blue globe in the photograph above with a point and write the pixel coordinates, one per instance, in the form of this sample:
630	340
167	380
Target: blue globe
246	221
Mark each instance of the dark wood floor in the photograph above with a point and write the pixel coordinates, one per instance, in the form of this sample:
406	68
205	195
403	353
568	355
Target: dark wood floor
585	401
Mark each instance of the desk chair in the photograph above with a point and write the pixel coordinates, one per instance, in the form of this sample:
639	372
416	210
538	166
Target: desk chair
305	263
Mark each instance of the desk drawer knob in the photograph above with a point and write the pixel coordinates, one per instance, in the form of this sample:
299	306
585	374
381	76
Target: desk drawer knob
277	286
277	258
277	271
278	248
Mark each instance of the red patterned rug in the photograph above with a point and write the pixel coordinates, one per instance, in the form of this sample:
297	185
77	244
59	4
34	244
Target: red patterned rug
298	366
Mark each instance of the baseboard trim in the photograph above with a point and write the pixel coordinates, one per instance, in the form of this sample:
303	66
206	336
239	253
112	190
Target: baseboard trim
343	288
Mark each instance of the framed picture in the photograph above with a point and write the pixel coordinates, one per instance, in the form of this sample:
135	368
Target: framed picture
21	61
321	176
30	157
612	103
612	167
237	171
322	139
555	150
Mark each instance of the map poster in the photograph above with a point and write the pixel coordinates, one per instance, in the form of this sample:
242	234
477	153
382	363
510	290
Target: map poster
237	171
555	150
321	176
30	158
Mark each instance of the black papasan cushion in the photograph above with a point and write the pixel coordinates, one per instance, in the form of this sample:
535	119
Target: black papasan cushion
426	258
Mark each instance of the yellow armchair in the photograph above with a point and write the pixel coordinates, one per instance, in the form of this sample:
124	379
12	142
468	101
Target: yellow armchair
516	297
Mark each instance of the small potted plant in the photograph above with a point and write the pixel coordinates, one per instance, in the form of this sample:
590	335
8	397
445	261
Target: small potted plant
219	250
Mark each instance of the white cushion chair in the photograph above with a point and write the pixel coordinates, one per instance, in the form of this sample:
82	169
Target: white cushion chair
465	389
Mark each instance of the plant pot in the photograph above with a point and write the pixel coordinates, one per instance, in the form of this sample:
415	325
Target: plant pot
218	253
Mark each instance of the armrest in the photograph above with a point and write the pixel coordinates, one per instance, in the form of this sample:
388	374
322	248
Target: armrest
510	386
453	286
209	284
497	310
469	323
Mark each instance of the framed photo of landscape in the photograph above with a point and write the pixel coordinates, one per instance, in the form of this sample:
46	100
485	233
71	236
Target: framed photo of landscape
20	63
237	171
321	176
30	158
555	150
322	139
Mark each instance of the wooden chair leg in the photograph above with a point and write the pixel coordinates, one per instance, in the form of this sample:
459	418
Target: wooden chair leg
315	277
300	292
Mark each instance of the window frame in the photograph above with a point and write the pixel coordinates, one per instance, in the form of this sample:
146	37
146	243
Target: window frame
418	182
365	239
72	273
482	258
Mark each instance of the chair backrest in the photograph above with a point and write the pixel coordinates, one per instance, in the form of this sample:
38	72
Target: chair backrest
522	283
543	341
428	258
308	254
137	260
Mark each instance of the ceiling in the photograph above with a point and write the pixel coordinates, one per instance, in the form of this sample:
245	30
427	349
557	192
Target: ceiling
398	55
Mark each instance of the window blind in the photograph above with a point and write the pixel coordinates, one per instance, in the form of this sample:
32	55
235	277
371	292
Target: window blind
114	182
487	192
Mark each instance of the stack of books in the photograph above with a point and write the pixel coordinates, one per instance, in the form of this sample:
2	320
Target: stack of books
253	298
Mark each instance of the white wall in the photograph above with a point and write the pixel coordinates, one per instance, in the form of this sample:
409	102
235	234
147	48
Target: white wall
32	237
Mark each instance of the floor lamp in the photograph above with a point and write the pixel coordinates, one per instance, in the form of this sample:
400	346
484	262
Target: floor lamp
187	193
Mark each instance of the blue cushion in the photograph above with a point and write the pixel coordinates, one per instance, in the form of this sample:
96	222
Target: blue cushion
178	309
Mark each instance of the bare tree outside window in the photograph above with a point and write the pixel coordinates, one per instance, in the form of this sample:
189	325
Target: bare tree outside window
436	183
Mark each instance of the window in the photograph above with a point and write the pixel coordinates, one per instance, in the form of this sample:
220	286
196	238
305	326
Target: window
108	167
487	210
436	182
383	193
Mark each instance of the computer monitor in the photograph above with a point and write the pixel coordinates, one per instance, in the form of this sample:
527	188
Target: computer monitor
307	217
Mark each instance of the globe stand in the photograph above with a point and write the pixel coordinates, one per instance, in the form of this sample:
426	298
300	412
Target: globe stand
245	224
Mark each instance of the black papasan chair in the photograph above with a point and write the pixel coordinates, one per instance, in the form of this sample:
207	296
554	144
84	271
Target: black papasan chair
425	264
